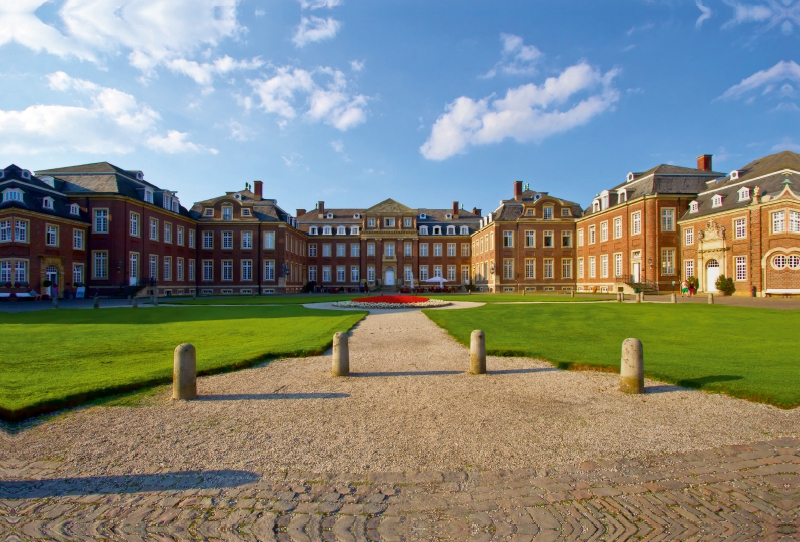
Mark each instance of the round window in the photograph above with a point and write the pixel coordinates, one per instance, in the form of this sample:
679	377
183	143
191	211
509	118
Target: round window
794	261
779	261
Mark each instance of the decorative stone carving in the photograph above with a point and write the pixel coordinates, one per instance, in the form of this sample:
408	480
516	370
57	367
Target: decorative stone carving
713	231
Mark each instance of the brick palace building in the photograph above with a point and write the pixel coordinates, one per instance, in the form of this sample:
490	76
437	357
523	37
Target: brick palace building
109	229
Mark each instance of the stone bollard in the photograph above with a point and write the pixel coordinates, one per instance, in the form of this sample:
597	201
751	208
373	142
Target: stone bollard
638	297
129	300
710	298
341	355
135	303
572	293
194	294
96	304
673	298
631	374
184	372
55	302
477	353
155	300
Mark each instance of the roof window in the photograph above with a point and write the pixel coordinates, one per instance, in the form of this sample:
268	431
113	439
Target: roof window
716	201
12	194
356	215
744	193
423	216
148	196
329	215
694	207
74	209
630	176
734	174
47	202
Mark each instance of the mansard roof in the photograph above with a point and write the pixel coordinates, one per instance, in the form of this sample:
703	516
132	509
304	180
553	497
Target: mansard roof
264	210
768	173
511	209
34	191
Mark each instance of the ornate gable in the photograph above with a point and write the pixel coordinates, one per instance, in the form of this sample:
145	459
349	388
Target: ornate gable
389	206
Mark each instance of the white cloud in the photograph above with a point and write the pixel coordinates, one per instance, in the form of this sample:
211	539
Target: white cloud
640	28
766	79
784	15
203	74
240	132
150	32
331	104
338	145
175	143
114	123
260	13
747	14
526	113
312	29
356	65
705	14
516	57
786	145
317	4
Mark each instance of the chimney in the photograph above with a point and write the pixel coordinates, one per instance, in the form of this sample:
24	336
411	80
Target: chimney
258	190
704	162
476	211
455	209
300	212
518	190
321	208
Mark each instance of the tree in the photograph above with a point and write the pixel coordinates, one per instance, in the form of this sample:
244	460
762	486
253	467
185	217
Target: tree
725	285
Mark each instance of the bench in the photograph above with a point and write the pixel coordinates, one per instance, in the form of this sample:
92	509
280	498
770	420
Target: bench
785	292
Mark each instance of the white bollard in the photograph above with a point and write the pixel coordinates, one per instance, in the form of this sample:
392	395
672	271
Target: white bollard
631	374
55	302
341	355
135	303
184	372
477	353
710	298
638	297
673	298
96	304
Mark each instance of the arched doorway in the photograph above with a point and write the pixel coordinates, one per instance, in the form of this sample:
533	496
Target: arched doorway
712	274
51	274
389	276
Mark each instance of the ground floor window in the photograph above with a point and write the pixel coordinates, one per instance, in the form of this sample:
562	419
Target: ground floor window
77	273
604	265
689	265
312	273
566	268
191	270
464	274
20	271
5	271
668	261
371	273
548	268
179	268
451	273
340	273
592	267
508	268
153	267
167	268
208	270
101	265
423	272
247	269
408	273
741	268
269	270
437	271
580	268
617	265
227	270
326	273
354	273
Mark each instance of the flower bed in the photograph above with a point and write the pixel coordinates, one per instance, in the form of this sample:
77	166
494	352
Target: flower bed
391	302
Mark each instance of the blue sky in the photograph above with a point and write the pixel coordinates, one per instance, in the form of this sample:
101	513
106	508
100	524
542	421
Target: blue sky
424	101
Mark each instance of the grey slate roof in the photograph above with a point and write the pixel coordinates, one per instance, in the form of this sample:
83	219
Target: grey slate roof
767	173
34	190
511	209
433	217
265	210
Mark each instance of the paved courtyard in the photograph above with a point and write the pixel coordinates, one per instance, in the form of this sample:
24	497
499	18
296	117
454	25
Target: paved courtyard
408	448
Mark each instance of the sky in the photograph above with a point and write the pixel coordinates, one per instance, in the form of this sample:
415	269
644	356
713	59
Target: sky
423	101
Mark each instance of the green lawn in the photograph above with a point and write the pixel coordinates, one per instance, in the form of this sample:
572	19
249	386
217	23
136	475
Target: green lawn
300	299
744	352
57	358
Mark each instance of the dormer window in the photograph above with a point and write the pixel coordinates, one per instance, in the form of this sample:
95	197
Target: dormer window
327	230
565	212
622	195
694	207
423	230
26	174
464	230
451	230
313	230
437	230
74	209
548	213
734	174
448	216
354	230
341	230
12	194
630	177
208	212
227	213
48	180
528	212
744	193
716	201
246	212
596	206
139	176
47	203
167	202
356	215
148	196
176	205
329	215
423	216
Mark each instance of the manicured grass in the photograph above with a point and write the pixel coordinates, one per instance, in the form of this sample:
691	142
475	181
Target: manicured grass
57	358
300	299
744	352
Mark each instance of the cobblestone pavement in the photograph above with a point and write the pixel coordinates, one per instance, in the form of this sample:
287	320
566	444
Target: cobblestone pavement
741	492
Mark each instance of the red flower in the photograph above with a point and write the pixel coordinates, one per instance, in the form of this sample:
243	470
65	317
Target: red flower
402	299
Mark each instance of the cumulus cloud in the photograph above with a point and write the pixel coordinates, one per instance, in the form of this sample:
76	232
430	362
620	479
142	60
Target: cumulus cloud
317	4
767	81
705	14
150	32
330	103
203	73
516	57
114	123
175	143
356	65
338	145
527	113
313	29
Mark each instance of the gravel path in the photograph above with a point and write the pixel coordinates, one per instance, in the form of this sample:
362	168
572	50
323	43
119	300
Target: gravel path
408	406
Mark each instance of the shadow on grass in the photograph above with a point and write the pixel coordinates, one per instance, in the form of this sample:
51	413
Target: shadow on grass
700	383
135	483
271	396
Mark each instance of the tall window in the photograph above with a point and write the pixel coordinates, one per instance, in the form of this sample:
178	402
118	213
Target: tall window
530	268
101	221
247	239
20	271
437	271
51	236
312	273
180	236
227	240
566	268
548	239
167	267
191	270
227	270
341	250
355	250
227	213
688	236
371	273
437	249
370	249
592	267
508	268
618	227
153	229
668	261
191	238
134	225
269	270
5	271
451	250
740	228
407	248
208	239
464	250
451	273
179	268
423	273
566	238
408	273
388	249
548	268
77	273
326	250
101	265
508	238
580	237
530	238
794	221
167	232
592	237
548	213
667	219
778	222
153	267
312	250
741	268
354	273
77	239
208	270
580	268
603	231
5	232
269	240
326	273
340	273
423	250
464	274
617	265
689	268
604	265
636	223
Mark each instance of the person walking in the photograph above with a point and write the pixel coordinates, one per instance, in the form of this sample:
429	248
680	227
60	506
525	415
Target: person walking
684	288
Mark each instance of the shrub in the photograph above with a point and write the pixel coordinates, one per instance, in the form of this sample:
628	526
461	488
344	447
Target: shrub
725	285
693	282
